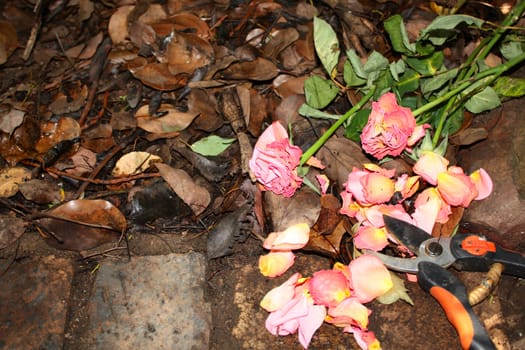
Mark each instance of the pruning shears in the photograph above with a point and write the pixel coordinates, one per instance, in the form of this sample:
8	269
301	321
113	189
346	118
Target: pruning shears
469	252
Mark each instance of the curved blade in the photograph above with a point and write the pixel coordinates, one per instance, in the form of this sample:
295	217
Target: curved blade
407	234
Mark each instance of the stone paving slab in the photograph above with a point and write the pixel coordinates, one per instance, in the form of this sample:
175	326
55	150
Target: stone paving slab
153	302
34	295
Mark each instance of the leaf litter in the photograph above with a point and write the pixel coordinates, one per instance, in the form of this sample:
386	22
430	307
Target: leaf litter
175	73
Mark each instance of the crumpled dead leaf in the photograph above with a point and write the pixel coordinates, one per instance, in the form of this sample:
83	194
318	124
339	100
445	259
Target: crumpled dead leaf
41	191
303	207
195	196
82	224
229	230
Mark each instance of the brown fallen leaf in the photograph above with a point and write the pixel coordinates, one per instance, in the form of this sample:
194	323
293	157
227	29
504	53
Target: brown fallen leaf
8	40
171	121
53	133
156	75
41	191
134	163
82	224
259	69
328	244
303	207
11	229
195	196
187	52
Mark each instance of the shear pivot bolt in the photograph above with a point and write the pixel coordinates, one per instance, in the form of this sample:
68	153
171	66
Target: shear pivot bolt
434	249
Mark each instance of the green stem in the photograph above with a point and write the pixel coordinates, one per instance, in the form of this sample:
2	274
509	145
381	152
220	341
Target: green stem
495	72
321	141
488	43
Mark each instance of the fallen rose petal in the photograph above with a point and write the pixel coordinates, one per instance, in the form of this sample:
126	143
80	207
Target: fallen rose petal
369	237
281	295
369	278
329	287
364	338
406	185
483	183
430	165
275	264
309	324
430	208
324	182
294	237
417	134
348	312
377	188
456	188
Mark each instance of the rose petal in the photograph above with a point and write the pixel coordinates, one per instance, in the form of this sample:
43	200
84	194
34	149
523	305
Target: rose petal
429	165
275	264
483	183
281	295
294	237
369	237
369	278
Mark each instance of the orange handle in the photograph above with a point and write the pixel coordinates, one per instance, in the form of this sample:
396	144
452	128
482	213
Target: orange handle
452	296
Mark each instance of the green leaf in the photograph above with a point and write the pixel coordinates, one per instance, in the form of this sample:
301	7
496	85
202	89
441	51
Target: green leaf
355	60
510	87
308	111
511	49
429	65
211	145
397	68
442	28
454	122
319	92
437	81
356	124
483	101
351	79
398	291
326	45
398	35
375	63
408	82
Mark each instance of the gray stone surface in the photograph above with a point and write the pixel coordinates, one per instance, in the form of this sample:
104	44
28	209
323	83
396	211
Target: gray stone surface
34	295
154	302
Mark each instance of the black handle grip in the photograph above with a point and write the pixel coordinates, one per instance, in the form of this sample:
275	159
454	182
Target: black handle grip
475	253
452	296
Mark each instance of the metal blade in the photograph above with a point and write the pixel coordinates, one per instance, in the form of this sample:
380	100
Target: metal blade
407	234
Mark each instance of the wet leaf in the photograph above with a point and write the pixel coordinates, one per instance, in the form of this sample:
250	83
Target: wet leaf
134	163
171	121
398	291
195	196
83	224
212	145
11	229
326	45
54	132
10	178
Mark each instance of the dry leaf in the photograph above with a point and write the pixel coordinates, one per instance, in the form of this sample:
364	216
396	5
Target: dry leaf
171	121
258	69
327	244
303	207
157	75
11	229
11	120
118	25
41	191
8	40
187	52
134	163
195	196
10	178
83	224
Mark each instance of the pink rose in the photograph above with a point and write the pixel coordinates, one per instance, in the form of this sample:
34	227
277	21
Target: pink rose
274	161
390	128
